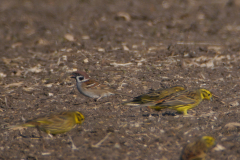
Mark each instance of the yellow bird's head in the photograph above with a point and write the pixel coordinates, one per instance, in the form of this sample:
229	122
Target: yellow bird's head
208	140
78	117
206	94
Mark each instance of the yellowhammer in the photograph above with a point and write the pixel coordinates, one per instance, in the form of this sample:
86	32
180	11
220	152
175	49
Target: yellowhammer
197	150
150	98
183	101
54	123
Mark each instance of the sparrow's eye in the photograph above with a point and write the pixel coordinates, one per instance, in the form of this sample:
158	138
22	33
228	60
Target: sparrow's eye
80	78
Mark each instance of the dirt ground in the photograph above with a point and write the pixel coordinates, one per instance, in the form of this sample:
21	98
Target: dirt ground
132	46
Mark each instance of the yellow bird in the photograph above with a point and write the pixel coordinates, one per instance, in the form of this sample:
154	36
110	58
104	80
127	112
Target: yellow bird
183	101
150	98
54	123
197	150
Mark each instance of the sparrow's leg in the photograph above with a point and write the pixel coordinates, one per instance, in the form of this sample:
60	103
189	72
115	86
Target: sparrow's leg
98	98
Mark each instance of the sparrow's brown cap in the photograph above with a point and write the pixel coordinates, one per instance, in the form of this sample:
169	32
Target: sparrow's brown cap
80	73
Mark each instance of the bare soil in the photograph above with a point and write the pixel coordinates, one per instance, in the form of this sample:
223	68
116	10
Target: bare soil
132	46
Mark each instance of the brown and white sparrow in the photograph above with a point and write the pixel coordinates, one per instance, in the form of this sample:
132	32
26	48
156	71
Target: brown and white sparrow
89	87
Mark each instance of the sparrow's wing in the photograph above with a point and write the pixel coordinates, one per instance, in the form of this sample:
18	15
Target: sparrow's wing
94	85
91	83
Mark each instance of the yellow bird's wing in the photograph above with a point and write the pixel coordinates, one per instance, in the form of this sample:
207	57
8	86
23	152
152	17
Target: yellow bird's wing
178	99
153	96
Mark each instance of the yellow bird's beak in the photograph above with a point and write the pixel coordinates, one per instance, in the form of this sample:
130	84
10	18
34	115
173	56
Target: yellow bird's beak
211	99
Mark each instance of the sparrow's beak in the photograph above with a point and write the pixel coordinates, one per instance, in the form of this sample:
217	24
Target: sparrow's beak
73	76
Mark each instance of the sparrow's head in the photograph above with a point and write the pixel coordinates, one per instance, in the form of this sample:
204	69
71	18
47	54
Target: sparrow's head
80	76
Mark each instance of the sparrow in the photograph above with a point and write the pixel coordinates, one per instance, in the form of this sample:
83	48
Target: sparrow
149	99
89	87
197	150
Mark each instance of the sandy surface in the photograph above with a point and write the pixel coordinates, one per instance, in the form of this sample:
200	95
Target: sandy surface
132	46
